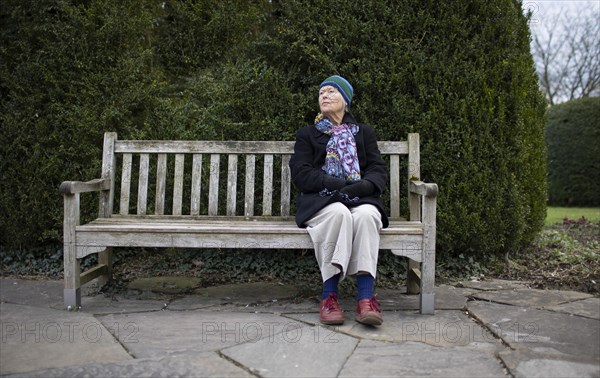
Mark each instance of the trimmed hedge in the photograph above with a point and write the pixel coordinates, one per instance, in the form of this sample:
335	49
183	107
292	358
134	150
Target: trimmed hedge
572	136
459	73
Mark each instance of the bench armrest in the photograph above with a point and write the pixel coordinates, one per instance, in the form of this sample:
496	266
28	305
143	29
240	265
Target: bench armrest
72	187
423	189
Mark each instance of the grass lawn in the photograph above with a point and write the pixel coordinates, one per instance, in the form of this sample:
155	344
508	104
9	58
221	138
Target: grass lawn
557	214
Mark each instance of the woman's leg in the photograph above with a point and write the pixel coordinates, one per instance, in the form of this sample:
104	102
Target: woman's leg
331	232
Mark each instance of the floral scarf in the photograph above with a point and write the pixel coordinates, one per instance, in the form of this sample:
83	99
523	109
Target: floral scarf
341	160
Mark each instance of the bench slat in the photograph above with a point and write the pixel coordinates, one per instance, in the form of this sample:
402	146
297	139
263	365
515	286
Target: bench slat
395	186
228	227
232	183
161	184
249	185
286	178
225	147
178	184
196	184
213	189
125	185
268	185
143	184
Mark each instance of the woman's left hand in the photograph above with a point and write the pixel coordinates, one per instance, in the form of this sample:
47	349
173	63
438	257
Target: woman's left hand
359	188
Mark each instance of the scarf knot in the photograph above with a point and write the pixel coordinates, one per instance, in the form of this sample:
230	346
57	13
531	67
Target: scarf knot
341	160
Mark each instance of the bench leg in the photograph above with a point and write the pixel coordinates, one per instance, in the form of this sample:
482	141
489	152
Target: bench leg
72	298
72	291
427	298
72	270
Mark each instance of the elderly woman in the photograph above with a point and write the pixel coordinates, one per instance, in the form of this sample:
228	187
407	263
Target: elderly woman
338	169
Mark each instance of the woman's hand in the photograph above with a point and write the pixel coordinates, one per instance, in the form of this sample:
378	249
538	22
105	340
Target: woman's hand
333	183
358	188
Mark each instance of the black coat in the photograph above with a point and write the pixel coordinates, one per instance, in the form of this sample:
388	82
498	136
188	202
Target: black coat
307	173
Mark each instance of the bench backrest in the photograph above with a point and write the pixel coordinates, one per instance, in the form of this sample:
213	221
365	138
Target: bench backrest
164	174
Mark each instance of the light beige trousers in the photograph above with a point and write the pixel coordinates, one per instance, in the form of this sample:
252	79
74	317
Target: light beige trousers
346	240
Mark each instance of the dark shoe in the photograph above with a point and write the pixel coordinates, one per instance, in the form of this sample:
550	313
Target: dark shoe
368	312
331	313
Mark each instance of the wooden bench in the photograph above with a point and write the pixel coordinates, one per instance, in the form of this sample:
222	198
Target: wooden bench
167	172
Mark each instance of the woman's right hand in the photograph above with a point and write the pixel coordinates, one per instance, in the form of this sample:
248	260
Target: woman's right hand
333	183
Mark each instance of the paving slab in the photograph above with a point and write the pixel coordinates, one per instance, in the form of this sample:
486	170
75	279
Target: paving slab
35	338
447	328
249	293
412	359
522	327
198	365
492	284
544	363
154	334
446	298
532	297
40	293
588	308
302	352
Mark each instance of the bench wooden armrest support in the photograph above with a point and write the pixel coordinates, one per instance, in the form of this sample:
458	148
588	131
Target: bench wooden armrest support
71	191
72	187
423	189
426	272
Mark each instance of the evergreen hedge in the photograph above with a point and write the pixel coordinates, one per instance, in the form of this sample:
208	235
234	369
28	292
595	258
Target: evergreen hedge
458	73
572	136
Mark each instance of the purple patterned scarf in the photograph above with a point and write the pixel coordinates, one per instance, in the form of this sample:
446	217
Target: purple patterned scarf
342	158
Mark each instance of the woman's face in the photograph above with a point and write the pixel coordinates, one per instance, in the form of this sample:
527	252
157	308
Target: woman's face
331	100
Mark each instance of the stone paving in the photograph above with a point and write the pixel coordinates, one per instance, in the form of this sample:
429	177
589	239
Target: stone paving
168	327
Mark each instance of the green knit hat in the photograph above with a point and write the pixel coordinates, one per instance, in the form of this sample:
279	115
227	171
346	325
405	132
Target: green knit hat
342	85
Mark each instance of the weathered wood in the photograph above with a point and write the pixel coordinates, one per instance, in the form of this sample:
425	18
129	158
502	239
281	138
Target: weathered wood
196	184
414	173
95	272
286	183
178	184
249	185
226	147
428	265
231	184
108	172
413	277
213	188
203	147
125	185
268	185
161	184
414	239
72	294
143	184
394	186
72	187
423	189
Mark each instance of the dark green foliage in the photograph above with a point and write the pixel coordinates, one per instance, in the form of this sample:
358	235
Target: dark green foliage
572	137
458	73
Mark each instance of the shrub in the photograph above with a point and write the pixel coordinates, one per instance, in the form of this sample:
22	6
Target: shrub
459	73
572	135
